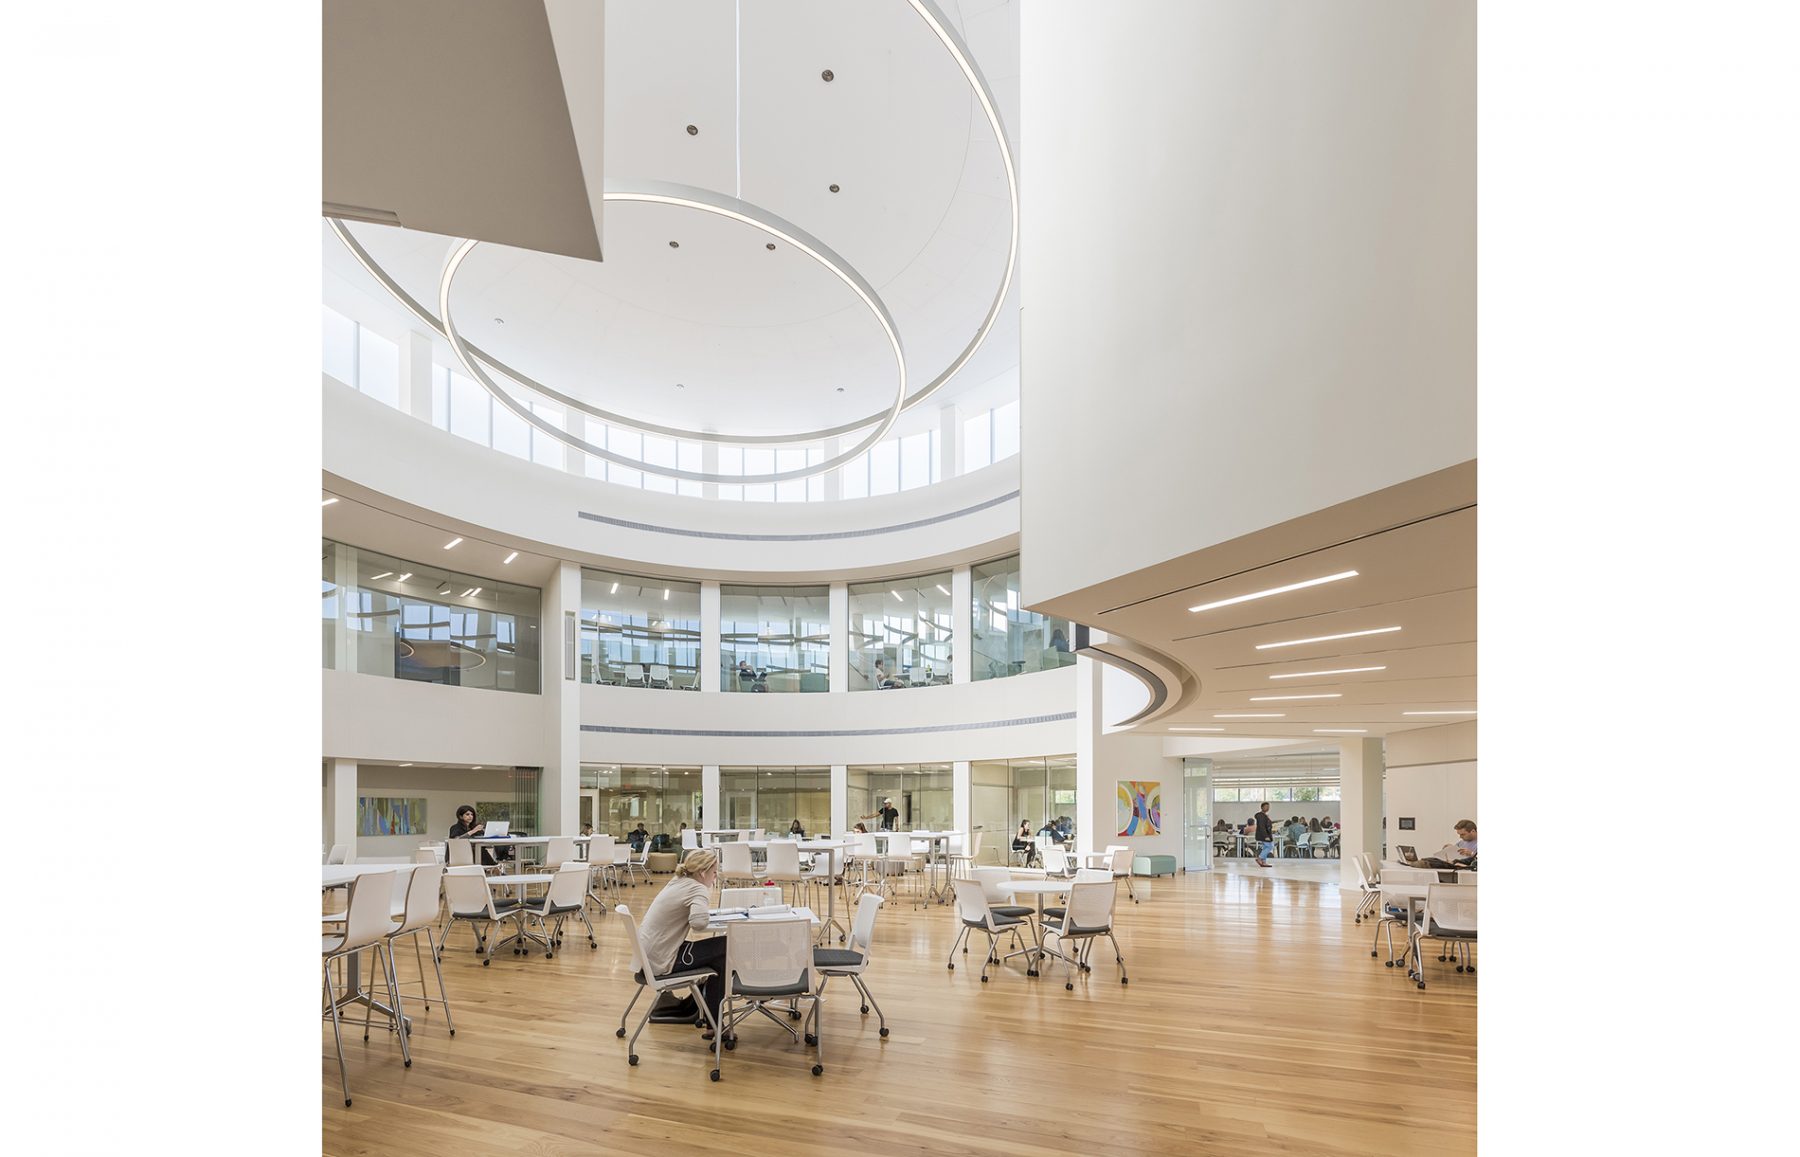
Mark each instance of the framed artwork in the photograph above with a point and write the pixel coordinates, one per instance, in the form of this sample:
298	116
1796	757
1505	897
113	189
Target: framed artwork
378	815
1140	807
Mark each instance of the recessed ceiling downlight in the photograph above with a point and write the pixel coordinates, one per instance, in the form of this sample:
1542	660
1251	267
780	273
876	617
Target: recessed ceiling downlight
693	130
834	188
1326	638
827	76
1282	590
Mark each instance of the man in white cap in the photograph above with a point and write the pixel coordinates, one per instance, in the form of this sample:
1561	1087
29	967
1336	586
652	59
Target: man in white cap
888	813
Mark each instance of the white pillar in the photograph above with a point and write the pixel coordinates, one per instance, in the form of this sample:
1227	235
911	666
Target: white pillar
1361	766
710	642
962	814
1089	720
415	375
962	655
340	795
709	463
559	790
840	799
840	637
709	797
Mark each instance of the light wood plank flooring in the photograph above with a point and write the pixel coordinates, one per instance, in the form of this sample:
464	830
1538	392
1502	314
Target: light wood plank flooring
1255	1022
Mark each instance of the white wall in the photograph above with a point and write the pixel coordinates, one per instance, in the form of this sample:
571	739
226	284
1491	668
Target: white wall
443	789
1102	759
1252	296
372	717
1436	796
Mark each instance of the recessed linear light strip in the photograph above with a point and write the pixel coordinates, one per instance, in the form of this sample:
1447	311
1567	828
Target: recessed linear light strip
1275	716
1285	698
452	542
328	502
1339	671
507	561
1340	731
1437	713
1330	578
1327	638
1196	729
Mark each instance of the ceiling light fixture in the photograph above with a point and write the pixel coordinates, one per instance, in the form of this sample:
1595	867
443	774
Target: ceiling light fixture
444	590
466	593
674	245
406	765
477	767
382	575
1276	716
475	592
404	577
940	587
615	589
665	594
1437	713
1281	698
328	502
827	76
834	188
507	561
897	597
499	321
1337	671
452	543
693	130
1326	638
1330	578
1340	731
1196	729
737	210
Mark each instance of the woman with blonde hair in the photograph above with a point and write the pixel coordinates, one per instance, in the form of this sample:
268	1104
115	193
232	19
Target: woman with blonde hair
681	908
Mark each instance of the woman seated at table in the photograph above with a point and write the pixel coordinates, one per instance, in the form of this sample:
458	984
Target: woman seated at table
465	827
797	831
682	907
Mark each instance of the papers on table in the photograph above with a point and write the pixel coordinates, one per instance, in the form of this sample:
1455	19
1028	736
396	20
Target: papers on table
727	915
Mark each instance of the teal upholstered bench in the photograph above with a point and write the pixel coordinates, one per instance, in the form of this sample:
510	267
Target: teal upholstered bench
1153	865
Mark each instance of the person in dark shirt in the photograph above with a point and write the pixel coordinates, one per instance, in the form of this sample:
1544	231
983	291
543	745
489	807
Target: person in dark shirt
1265	836
465	827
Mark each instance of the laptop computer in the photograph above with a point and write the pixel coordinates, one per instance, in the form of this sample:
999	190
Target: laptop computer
494	829
1407	852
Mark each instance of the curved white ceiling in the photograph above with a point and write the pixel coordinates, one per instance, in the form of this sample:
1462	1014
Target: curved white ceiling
761	341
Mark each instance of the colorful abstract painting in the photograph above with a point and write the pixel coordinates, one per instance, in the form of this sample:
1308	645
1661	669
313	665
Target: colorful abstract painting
1140	807
389	816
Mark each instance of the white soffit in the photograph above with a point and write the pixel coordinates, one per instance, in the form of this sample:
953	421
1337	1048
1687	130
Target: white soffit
454	117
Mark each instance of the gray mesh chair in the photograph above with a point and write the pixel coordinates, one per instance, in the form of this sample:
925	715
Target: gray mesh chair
769	961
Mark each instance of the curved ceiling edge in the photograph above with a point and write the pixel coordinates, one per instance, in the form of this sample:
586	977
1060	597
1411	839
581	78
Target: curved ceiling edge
1170	683
824	536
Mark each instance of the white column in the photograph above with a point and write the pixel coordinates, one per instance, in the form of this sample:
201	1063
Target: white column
709	797
840	799
710	642
949	442
840	637
340	794
834	481
415	375
962	655
560	789
709	463
1361	765
962	814
1088	723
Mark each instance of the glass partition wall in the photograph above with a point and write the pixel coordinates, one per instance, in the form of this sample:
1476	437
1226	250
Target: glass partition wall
775	638
900	633
920	791
639	632
772	798
1002	792
405	620
1009	640
616	798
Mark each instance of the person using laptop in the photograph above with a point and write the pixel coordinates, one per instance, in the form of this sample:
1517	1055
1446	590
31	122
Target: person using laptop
465	828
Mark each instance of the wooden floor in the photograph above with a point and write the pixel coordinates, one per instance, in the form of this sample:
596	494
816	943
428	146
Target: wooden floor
1255	1022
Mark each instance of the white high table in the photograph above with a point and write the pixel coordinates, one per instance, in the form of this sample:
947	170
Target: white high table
937	850
519	880
835	868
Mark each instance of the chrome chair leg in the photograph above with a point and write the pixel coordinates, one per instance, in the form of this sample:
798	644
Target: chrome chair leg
337	1033
443	995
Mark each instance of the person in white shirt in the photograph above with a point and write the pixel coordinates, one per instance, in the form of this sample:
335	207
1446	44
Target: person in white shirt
683	907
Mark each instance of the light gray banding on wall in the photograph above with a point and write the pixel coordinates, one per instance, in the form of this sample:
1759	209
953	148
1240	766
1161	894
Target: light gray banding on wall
824	537
1027	720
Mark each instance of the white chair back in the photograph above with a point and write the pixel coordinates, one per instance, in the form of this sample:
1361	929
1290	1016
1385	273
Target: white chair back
1090	906
366	920
634	672
559	851
766	953
459	852
421	906
568	887
866	847
734	859
993	883
427	856
862	929
690	840
971	901
1093	876
466	890
749	897
784	859
637	945
1056	861
1118	858
600	850
337	854
1451	907
659	674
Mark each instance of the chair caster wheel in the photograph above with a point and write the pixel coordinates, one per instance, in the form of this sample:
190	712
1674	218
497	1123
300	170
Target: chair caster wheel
865	1008
715	1074
1459	968
632	1059
952	967
1374	954
1031	972
1070	987
1124	980
487	962
620	1034
811	1039
817	1069
1389	963
593	944
984	980
346	1102
1421	986
884	1032
409	1064
1471	968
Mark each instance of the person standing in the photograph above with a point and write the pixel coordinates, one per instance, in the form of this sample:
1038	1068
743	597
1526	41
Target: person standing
887	813
1265	836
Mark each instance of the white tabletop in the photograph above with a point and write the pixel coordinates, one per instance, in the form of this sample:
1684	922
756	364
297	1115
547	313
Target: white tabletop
716	923
1037	887
337	875
520	880
511	839
804	845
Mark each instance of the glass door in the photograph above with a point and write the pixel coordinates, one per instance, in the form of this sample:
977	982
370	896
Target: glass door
1196	830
